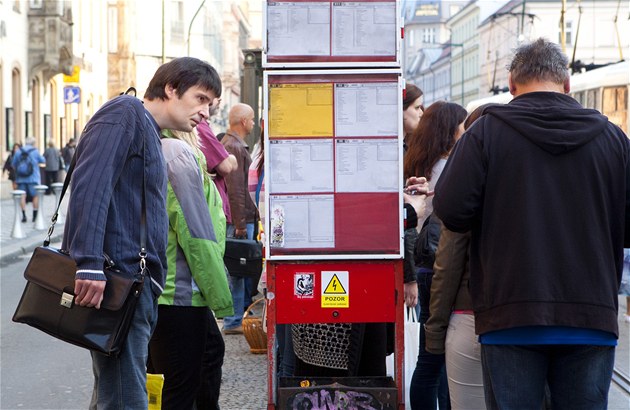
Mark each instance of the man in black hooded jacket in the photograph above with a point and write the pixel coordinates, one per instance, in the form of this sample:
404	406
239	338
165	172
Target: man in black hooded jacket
543	185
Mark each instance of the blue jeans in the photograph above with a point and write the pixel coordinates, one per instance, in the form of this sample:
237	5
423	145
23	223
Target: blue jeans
286	355
240	297
120	382
429	384
578	376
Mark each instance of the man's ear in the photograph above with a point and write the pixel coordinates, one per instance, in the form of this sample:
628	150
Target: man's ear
567	85
511	84
169	91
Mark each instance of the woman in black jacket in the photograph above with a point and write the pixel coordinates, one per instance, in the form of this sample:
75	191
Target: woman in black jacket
8	168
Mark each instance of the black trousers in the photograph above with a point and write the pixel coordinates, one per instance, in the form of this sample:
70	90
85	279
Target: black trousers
208	394
51	177
176	350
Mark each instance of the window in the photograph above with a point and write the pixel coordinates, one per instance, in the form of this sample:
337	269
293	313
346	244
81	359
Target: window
177	21
36	4
614	106
591	99
428	35
568	32
112	29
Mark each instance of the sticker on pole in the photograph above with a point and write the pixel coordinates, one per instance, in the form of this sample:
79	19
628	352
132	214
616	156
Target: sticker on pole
335	289
304	283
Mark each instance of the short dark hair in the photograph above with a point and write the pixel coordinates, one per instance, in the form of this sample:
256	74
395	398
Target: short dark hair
539	60
183	73
412	93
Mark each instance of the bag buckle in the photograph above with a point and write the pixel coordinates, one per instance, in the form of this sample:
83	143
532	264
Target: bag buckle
66	300
243	261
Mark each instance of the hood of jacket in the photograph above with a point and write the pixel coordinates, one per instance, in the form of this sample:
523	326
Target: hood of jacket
554	122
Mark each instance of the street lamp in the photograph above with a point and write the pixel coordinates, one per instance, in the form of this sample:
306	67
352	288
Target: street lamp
191	23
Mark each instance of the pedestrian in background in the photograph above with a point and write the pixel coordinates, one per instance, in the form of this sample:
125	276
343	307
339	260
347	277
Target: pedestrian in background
218	164
54	162
27	174
8	166
414	204
68	152
242	208
450	328
440	127
543	185
195	277
413	107
120	174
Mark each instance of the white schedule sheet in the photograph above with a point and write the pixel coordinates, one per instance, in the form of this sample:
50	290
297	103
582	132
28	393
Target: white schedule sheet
302	221
296	28
366	109
362	28
367	165
301	165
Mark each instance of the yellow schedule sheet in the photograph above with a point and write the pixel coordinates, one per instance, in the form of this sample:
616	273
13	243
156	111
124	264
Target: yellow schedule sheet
300	110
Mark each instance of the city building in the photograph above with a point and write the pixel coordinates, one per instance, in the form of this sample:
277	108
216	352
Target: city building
483	34
62	60
425	33
595	33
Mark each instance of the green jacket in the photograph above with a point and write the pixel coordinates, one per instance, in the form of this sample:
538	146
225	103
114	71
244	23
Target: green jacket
196	236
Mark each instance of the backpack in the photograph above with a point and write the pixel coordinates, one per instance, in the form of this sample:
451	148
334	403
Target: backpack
24	166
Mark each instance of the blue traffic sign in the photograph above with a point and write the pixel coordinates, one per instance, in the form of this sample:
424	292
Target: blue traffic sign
71	95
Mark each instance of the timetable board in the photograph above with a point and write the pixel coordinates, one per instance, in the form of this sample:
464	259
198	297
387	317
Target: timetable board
333	164
329	33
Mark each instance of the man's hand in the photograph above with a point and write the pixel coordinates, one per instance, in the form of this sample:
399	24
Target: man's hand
89	292
240	233
411	294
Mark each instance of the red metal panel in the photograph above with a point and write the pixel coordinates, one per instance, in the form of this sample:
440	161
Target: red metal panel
349	292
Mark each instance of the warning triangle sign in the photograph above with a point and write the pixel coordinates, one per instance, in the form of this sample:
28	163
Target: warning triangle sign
335	287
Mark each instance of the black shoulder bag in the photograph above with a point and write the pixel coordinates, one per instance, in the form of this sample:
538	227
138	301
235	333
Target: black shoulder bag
48	303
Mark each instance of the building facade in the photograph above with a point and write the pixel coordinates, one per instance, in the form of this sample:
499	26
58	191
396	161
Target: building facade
478	40
63	59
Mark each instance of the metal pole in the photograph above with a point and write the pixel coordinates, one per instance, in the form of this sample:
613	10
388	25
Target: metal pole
39	219
17	232
190	26
163	35
563	34
462	46
56	188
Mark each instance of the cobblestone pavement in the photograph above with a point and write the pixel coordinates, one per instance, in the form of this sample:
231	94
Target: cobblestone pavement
244	383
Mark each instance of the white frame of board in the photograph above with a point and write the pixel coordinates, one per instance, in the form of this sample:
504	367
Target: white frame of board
332	256
349	63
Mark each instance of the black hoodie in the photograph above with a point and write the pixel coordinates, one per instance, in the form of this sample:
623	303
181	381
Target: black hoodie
544	186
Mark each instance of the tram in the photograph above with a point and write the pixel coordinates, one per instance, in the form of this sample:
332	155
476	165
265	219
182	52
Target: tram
605	89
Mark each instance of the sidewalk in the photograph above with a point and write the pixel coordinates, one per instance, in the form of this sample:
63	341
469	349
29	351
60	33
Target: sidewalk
11	248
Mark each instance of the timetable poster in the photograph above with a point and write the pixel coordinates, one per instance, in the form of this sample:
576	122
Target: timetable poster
333	164
332	32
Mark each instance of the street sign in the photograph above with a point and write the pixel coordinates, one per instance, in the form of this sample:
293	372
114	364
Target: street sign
74	77
71	95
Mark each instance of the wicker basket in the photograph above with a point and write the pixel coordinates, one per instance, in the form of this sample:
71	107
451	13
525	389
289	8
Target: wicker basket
253	329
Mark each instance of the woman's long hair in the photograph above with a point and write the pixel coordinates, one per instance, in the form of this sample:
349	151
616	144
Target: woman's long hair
433	138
